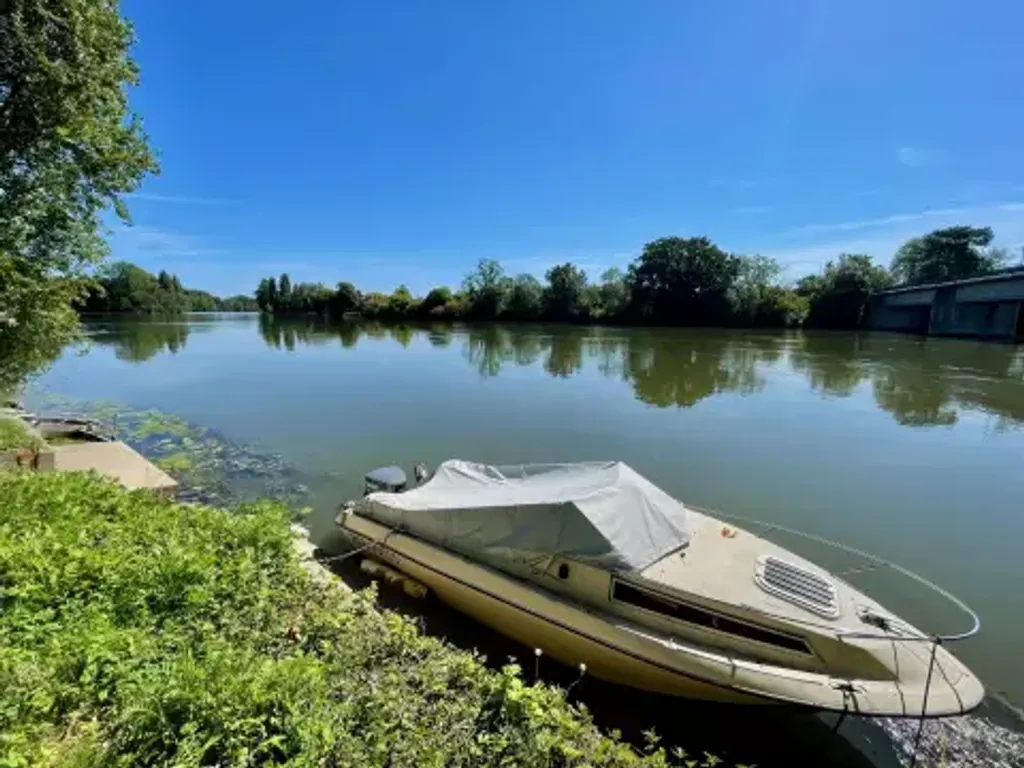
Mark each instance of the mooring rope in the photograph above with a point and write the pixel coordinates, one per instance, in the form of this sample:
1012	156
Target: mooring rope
358	550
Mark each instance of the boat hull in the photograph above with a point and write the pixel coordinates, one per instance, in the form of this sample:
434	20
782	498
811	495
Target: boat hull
564	632
626	653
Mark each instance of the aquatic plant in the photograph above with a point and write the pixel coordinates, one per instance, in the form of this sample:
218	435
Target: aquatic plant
209	468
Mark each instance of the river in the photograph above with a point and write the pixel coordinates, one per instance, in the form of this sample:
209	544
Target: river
910	448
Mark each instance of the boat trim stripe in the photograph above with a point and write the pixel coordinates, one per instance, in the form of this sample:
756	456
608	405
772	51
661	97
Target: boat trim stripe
598	641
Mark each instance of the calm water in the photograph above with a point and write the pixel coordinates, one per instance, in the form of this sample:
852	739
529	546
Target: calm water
906	447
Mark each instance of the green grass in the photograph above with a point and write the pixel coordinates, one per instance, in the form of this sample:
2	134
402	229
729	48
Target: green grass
134	632
14	434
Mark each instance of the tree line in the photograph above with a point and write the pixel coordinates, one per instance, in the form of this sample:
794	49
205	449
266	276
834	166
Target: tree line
124	287
674	281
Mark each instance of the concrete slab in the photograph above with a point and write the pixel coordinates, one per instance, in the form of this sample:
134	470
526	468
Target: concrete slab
307	559
118	462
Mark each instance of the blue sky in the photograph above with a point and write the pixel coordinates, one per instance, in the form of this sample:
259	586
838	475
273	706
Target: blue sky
401	142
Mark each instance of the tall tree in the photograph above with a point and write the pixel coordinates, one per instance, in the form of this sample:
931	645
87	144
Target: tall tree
436	301
682	281
262	295
565	292
837	299
272	293
284	293
525	297
400	301
346	299
612	295
70	147
487	289
953	253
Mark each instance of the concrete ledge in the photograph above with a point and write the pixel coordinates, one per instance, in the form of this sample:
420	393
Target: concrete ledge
307	559
118	462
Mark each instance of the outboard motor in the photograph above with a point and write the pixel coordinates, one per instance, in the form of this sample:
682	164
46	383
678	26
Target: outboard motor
390	479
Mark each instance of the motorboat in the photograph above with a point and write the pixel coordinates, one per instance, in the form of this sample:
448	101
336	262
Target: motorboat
594	565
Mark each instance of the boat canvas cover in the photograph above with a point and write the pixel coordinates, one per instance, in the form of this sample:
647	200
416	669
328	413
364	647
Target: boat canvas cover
603	513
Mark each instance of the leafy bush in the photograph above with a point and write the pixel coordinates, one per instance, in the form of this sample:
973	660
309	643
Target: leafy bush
135	631
13	434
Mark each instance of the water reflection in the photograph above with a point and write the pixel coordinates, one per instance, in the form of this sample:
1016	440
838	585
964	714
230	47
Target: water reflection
136	341
921	382
832	363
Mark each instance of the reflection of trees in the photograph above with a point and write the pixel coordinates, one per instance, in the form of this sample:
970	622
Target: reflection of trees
911	395
610	354
927	381
831	362
349	333
402	334
490	347
270	330
565	357
137	342
527	346
921	382
669	368
487	348
440	335
374	331
288	332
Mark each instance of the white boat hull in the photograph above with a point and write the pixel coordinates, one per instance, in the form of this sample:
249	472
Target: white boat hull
624	653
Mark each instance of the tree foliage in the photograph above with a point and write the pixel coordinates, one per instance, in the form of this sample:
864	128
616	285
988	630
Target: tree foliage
70	147
346	299
953	253
525	298
565	294
683	281
610	297
837	297
487	289
124	287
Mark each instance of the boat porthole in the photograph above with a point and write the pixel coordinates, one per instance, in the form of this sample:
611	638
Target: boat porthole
563	571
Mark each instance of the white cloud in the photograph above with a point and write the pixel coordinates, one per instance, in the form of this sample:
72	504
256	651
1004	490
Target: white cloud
807	248
916	157
882	221
134	242
179	199
742	184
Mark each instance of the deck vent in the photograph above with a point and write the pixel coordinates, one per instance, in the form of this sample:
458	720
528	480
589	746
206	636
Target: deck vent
797	585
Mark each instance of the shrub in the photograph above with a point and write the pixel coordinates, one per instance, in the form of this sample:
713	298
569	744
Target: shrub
14	434
136	631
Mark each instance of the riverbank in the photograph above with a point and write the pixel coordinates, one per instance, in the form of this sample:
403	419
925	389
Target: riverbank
242	463
140	631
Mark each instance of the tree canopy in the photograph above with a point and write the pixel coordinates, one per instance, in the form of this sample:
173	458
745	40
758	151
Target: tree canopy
838	296
124	287
70	148
565	296
673	281
953	253
683	281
